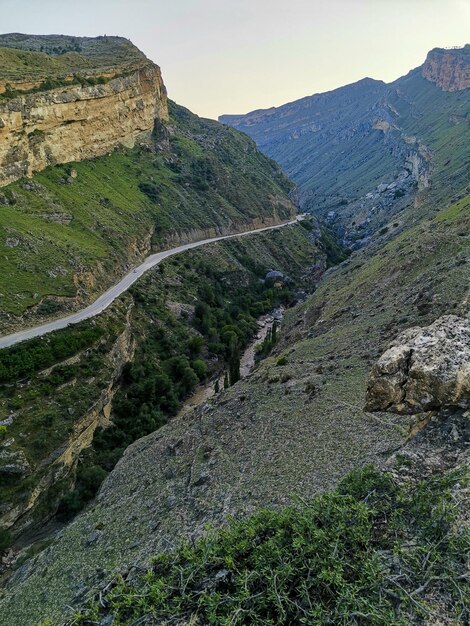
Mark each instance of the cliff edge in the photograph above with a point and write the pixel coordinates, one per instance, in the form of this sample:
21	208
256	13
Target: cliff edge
66	99
449	69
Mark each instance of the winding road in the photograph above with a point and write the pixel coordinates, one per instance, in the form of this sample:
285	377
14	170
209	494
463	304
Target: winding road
99	305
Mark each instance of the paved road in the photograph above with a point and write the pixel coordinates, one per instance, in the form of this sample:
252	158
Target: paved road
129	279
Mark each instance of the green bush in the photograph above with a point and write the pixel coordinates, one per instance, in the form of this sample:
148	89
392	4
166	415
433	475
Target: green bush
200	367
359	554
5	540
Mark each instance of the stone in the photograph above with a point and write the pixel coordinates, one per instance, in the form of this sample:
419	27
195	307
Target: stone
14	463
424	369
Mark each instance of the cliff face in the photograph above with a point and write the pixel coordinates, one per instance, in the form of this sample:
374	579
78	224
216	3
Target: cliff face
448	69
80	119
19	508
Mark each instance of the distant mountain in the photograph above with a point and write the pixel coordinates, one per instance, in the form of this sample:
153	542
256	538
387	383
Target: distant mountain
360	153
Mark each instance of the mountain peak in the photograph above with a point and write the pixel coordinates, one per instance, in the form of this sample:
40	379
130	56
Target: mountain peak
448	68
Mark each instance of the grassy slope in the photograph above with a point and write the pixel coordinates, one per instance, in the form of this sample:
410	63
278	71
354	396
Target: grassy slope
336	559
105	216
299	426
24	57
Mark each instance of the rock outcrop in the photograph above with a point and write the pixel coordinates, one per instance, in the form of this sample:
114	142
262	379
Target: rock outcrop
20	514
425	369
448	69
83	118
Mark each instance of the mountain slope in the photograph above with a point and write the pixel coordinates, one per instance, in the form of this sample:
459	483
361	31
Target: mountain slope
69	233
294	427
361	153
297	425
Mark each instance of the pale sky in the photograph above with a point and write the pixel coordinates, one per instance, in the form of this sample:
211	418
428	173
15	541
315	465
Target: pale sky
233	56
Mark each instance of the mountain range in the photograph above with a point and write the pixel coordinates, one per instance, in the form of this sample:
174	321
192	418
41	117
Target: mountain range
361	153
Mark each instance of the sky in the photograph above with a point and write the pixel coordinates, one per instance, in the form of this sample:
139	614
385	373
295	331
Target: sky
234	56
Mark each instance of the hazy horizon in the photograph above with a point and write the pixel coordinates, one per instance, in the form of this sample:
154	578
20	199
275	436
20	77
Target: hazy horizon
237	56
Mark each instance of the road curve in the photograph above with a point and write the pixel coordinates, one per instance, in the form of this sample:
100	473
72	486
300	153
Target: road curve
99	305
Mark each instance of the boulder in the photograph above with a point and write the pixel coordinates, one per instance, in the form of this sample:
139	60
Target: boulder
14	463
424	369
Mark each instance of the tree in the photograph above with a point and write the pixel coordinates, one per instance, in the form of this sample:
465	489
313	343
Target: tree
226	383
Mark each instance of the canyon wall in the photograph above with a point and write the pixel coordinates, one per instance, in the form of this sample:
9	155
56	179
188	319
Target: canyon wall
79	121
448	69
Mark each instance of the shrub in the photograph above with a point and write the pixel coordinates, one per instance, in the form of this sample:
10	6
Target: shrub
339	559
281	361
200	367
5	540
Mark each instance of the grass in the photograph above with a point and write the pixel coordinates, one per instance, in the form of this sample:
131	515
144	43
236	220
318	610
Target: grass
52	57
55	235
370	551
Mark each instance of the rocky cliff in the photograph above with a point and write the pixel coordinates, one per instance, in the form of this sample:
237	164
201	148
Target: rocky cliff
57	115
31	477
449	69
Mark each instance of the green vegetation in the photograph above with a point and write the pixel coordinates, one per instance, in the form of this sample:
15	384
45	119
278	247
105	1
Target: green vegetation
42	391
29	357
55	57
268	342
5	540
227	297
55	229
369	552
49	84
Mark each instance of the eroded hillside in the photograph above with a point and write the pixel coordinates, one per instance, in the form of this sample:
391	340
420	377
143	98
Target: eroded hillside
74	230
362	154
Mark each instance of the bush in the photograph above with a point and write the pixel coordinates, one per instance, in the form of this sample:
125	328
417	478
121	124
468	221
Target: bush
5	540
335	560
281	361
200	367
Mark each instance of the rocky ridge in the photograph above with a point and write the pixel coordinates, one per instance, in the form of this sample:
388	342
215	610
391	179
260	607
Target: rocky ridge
76	120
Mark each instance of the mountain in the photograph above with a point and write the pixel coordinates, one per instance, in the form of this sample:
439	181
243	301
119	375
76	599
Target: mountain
126	173
361	153
72	98
72	230
334	475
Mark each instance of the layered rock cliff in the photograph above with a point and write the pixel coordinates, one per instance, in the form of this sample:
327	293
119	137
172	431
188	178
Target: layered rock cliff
71	117
448	69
